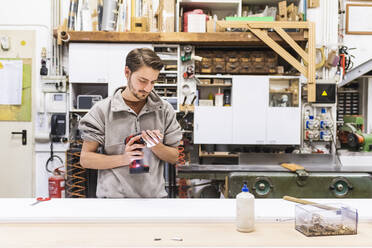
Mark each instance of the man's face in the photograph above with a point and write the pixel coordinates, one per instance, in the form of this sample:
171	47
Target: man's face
141	82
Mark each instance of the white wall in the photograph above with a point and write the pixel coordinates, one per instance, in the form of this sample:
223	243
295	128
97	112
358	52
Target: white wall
32	15
362	43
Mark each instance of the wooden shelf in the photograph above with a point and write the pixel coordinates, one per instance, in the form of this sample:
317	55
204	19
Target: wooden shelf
217	38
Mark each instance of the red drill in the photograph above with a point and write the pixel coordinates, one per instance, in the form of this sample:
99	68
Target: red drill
137	166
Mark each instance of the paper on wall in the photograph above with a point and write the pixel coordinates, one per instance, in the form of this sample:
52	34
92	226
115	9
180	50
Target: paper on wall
11	76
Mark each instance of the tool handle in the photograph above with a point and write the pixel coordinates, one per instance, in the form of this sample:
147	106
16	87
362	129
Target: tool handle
292	167
297	200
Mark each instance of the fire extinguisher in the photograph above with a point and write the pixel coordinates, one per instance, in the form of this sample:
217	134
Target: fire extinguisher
56	184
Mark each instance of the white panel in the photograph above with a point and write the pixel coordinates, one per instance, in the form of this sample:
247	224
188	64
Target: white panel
36	12
250	101
88	63
117	54
213	125
283	126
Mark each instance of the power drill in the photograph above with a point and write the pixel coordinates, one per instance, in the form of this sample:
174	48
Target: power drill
137	166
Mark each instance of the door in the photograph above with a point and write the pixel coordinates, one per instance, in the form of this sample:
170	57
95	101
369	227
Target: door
212	125
250	102
16	167
284	126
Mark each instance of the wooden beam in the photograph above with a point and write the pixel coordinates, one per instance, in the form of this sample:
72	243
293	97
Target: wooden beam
278	24
279	50
222	38
311	86
292	43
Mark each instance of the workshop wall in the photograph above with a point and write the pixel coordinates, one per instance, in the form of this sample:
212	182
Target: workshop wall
33	15
362	43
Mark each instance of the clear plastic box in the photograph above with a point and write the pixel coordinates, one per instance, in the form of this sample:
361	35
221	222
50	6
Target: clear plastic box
326	219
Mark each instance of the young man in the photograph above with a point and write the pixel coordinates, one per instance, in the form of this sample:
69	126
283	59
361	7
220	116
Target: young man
131	110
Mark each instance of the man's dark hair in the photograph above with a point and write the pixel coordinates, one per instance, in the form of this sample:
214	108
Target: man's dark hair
143	56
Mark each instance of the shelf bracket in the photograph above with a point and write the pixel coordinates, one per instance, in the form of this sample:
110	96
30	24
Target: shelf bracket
259	29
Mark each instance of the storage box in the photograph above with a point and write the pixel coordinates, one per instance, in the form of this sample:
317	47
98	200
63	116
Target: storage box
326	219
139	24
205	81
219	67
206	68
233	67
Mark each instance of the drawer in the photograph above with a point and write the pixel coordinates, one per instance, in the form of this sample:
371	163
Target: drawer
232	56
233	67
219	67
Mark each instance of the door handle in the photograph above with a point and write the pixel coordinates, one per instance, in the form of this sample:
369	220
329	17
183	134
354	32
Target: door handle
24	136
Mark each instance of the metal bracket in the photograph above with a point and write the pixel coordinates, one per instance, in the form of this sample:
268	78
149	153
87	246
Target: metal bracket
302	176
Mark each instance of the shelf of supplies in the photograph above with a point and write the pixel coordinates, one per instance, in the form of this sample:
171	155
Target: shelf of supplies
213	38
214	85
165	85
219	155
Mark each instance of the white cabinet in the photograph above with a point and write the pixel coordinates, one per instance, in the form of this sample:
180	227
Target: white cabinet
213	125
283	126
264	111
99	63
88	63
250	99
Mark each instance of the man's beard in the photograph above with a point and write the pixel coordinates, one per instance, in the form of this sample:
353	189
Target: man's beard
139	95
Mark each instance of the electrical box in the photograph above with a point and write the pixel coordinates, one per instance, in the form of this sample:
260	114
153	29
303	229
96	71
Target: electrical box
325	93
56	102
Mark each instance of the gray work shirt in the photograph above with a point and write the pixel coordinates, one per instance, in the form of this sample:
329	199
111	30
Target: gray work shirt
109	122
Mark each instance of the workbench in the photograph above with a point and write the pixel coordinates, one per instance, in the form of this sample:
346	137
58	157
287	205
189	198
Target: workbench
320	177
173	222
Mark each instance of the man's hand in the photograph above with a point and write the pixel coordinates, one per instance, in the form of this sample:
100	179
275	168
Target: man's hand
152	137
131	153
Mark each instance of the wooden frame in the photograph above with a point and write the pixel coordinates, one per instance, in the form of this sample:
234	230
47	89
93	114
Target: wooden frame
349	22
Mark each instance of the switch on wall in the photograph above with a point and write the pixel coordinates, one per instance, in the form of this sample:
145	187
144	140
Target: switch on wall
5	43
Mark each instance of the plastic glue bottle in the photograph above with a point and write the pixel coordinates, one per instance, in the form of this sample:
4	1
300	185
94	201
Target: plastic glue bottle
245	210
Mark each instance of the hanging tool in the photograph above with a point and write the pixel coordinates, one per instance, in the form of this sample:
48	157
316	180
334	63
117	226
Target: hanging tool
40	199
189	73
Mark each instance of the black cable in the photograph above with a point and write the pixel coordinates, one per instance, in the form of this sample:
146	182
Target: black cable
52	156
